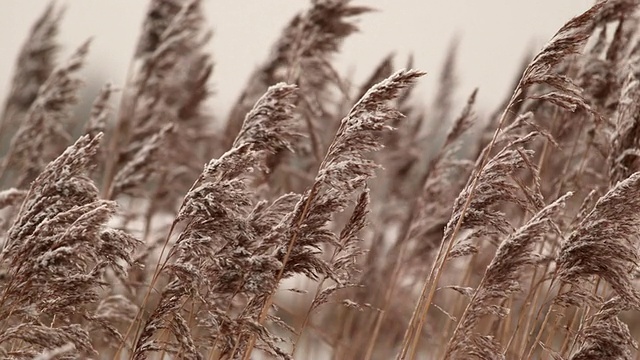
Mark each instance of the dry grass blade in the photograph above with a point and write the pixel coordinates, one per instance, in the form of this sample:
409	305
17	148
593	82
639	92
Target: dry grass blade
370	214
567	41
100	111
500	281
218	239
143	165
67	166
443	101
35	63
159	17
51	339
421	229
625	149
302	55
495	187
602	244
342	262
607	337
343	170
59	245
42	135
169	86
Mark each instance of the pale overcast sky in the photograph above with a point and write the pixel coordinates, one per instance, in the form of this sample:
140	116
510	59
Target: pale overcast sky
494	35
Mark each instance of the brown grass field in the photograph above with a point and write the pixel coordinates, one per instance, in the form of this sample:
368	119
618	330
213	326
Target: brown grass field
331	219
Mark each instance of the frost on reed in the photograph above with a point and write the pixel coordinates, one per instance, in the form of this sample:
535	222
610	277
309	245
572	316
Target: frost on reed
604	244
298	240
344	169
389	274
56	254
606	336
208	281
218	255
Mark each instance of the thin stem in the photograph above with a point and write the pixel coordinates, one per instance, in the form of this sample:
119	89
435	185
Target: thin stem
541	329
430	285
292	242
154	278
313	192
458	304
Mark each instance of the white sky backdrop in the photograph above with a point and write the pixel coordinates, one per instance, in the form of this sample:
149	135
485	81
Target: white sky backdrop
494	35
